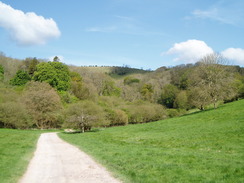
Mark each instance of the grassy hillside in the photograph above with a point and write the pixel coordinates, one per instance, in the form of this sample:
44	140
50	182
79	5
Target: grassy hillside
16	150
203	147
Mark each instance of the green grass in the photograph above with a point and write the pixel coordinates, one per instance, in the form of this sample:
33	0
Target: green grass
16	150
202	147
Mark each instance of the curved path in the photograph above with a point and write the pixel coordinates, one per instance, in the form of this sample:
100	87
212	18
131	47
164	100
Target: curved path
56	161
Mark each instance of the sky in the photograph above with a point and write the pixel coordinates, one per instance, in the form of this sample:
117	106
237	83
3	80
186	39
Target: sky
145	34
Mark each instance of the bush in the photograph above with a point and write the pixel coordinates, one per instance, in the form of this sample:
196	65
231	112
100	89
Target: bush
130	80
145	112
14	115
117	117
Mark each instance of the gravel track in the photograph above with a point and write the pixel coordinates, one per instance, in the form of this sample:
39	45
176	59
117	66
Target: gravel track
56	161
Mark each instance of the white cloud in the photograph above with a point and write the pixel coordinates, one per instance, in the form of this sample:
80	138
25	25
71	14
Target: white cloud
213	14
27	28
223	11
189	51
235	54
102	29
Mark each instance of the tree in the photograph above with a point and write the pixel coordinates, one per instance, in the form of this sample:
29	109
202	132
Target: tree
14	115
85	115
54	73
21	78
211	81
43	103
109	89
29	65
181	100
56	59
168	95
147	92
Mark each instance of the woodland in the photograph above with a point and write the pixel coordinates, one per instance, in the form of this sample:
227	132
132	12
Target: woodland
42	94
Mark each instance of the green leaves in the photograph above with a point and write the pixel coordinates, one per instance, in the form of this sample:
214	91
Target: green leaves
54	73
21	78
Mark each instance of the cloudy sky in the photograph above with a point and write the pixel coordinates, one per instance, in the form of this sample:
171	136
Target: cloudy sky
140	33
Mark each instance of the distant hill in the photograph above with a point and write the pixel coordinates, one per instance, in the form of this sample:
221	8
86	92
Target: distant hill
111	70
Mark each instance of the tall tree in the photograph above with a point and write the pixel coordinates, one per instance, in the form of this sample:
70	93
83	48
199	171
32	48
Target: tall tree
43	103
211	81
54	73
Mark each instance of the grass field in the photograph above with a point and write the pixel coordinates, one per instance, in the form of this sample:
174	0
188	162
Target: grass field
202	147
16	150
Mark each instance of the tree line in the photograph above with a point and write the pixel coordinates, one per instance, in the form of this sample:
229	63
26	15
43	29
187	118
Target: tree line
36	93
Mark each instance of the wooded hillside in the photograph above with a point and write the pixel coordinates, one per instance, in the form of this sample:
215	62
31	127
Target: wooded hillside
35	93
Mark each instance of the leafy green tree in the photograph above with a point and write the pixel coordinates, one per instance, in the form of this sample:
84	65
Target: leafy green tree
21	78
54	73
43	104
181	100
168	96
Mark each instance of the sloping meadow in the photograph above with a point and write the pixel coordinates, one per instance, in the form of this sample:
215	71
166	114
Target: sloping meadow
203	147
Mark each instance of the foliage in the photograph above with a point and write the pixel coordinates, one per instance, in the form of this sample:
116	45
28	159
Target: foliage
43	104
169	95
147	92
21	78
14	115
130	80
29	65
181	100
84	115
109	89
201	147
116	117
54	73
211	81
142	112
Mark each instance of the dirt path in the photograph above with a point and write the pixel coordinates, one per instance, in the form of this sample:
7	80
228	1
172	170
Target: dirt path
56	161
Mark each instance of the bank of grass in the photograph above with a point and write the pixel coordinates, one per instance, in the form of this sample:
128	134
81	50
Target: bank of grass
16	150
202	147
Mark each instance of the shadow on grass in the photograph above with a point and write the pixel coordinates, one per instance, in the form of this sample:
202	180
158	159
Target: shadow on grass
203	111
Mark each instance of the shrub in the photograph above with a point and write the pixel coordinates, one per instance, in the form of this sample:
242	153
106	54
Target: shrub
145	112
129	80
43	103
117	117
14	115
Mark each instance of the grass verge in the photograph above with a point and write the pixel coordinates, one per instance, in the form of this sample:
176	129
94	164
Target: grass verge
202	147
16	150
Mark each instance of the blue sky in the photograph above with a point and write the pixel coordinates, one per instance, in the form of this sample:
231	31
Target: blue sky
140	33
